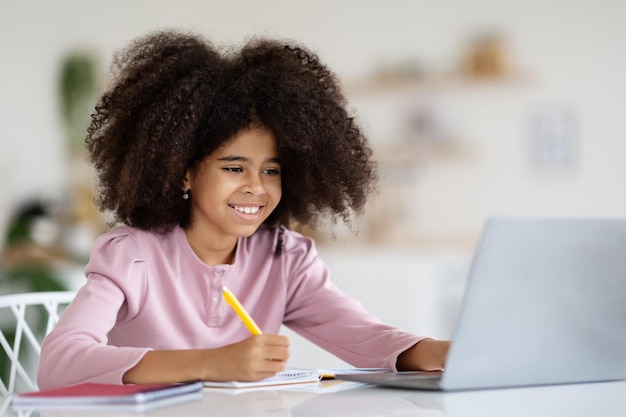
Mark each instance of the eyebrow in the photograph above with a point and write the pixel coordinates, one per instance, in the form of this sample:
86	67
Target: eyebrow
233	158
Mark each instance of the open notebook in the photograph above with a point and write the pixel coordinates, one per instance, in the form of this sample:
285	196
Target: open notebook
292	376
286	377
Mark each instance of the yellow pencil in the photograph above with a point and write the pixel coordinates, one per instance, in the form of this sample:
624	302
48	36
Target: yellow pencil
240	311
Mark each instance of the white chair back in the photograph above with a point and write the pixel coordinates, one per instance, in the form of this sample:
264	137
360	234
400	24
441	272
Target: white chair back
31	316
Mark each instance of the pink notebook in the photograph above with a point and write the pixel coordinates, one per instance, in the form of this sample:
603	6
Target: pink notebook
90	393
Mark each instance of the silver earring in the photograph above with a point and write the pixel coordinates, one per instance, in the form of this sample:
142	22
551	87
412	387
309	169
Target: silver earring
186	195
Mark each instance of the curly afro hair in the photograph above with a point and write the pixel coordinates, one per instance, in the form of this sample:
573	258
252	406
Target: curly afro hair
176	99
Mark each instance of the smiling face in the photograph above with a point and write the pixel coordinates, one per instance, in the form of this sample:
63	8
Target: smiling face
235	188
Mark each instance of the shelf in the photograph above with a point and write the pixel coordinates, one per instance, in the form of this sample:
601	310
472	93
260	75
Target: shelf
413	154
390	85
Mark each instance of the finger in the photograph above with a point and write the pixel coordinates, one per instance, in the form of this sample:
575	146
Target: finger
276	340
277	354
273	365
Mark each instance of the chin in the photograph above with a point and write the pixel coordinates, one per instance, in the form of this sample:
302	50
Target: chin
248	231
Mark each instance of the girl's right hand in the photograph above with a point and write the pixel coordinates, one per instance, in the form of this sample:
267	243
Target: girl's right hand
257	357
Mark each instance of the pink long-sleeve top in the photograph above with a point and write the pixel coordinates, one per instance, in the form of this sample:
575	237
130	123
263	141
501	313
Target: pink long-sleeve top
149	291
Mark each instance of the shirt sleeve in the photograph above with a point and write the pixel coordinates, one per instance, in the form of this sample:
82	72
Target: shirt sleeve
319	311
76	350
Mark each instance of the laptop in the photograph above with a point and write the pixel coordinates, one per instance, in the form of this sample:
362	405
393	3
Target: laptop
545	303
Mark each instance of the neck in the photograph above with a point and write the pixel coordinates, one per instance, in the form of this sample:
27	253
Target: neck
209	252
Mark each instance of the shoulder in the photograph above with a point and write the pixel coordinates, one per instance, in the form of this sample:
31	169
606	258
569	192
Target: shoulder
124	245
124	238
298	251
293	243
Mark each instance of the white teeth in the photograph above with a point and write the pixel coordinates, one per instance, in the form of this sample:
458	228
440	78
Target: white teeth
247	210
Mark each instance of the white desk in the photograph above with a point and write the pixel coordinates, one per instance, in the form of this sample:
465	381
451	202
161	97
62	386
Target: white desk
584	400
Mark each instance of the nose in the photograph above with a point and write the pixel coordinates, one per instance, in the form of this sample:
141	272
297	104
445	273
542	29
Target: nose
253	184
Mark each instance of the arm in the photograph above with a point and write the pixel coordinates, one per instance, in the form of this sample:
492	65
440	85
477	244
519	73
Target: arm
123	328
426	355
77	350
318	310
254	358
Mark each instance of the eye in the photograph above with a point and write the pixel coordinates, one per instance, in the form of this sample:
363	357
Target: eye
271	171
233	169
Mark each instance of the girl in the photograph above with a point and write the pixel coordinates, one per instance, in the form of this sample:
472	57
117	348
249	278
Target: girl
205	160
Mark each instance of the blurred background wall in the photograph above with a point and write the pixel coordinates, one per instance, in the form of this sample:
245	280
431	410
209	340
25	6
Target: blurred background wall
474	109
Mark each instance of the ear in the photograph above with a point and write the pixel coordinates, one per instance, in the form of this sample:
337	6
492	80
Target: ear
186	181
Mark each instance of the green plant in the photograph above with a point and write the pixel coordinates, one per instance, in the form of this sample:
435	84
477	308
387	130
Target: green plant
77	88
